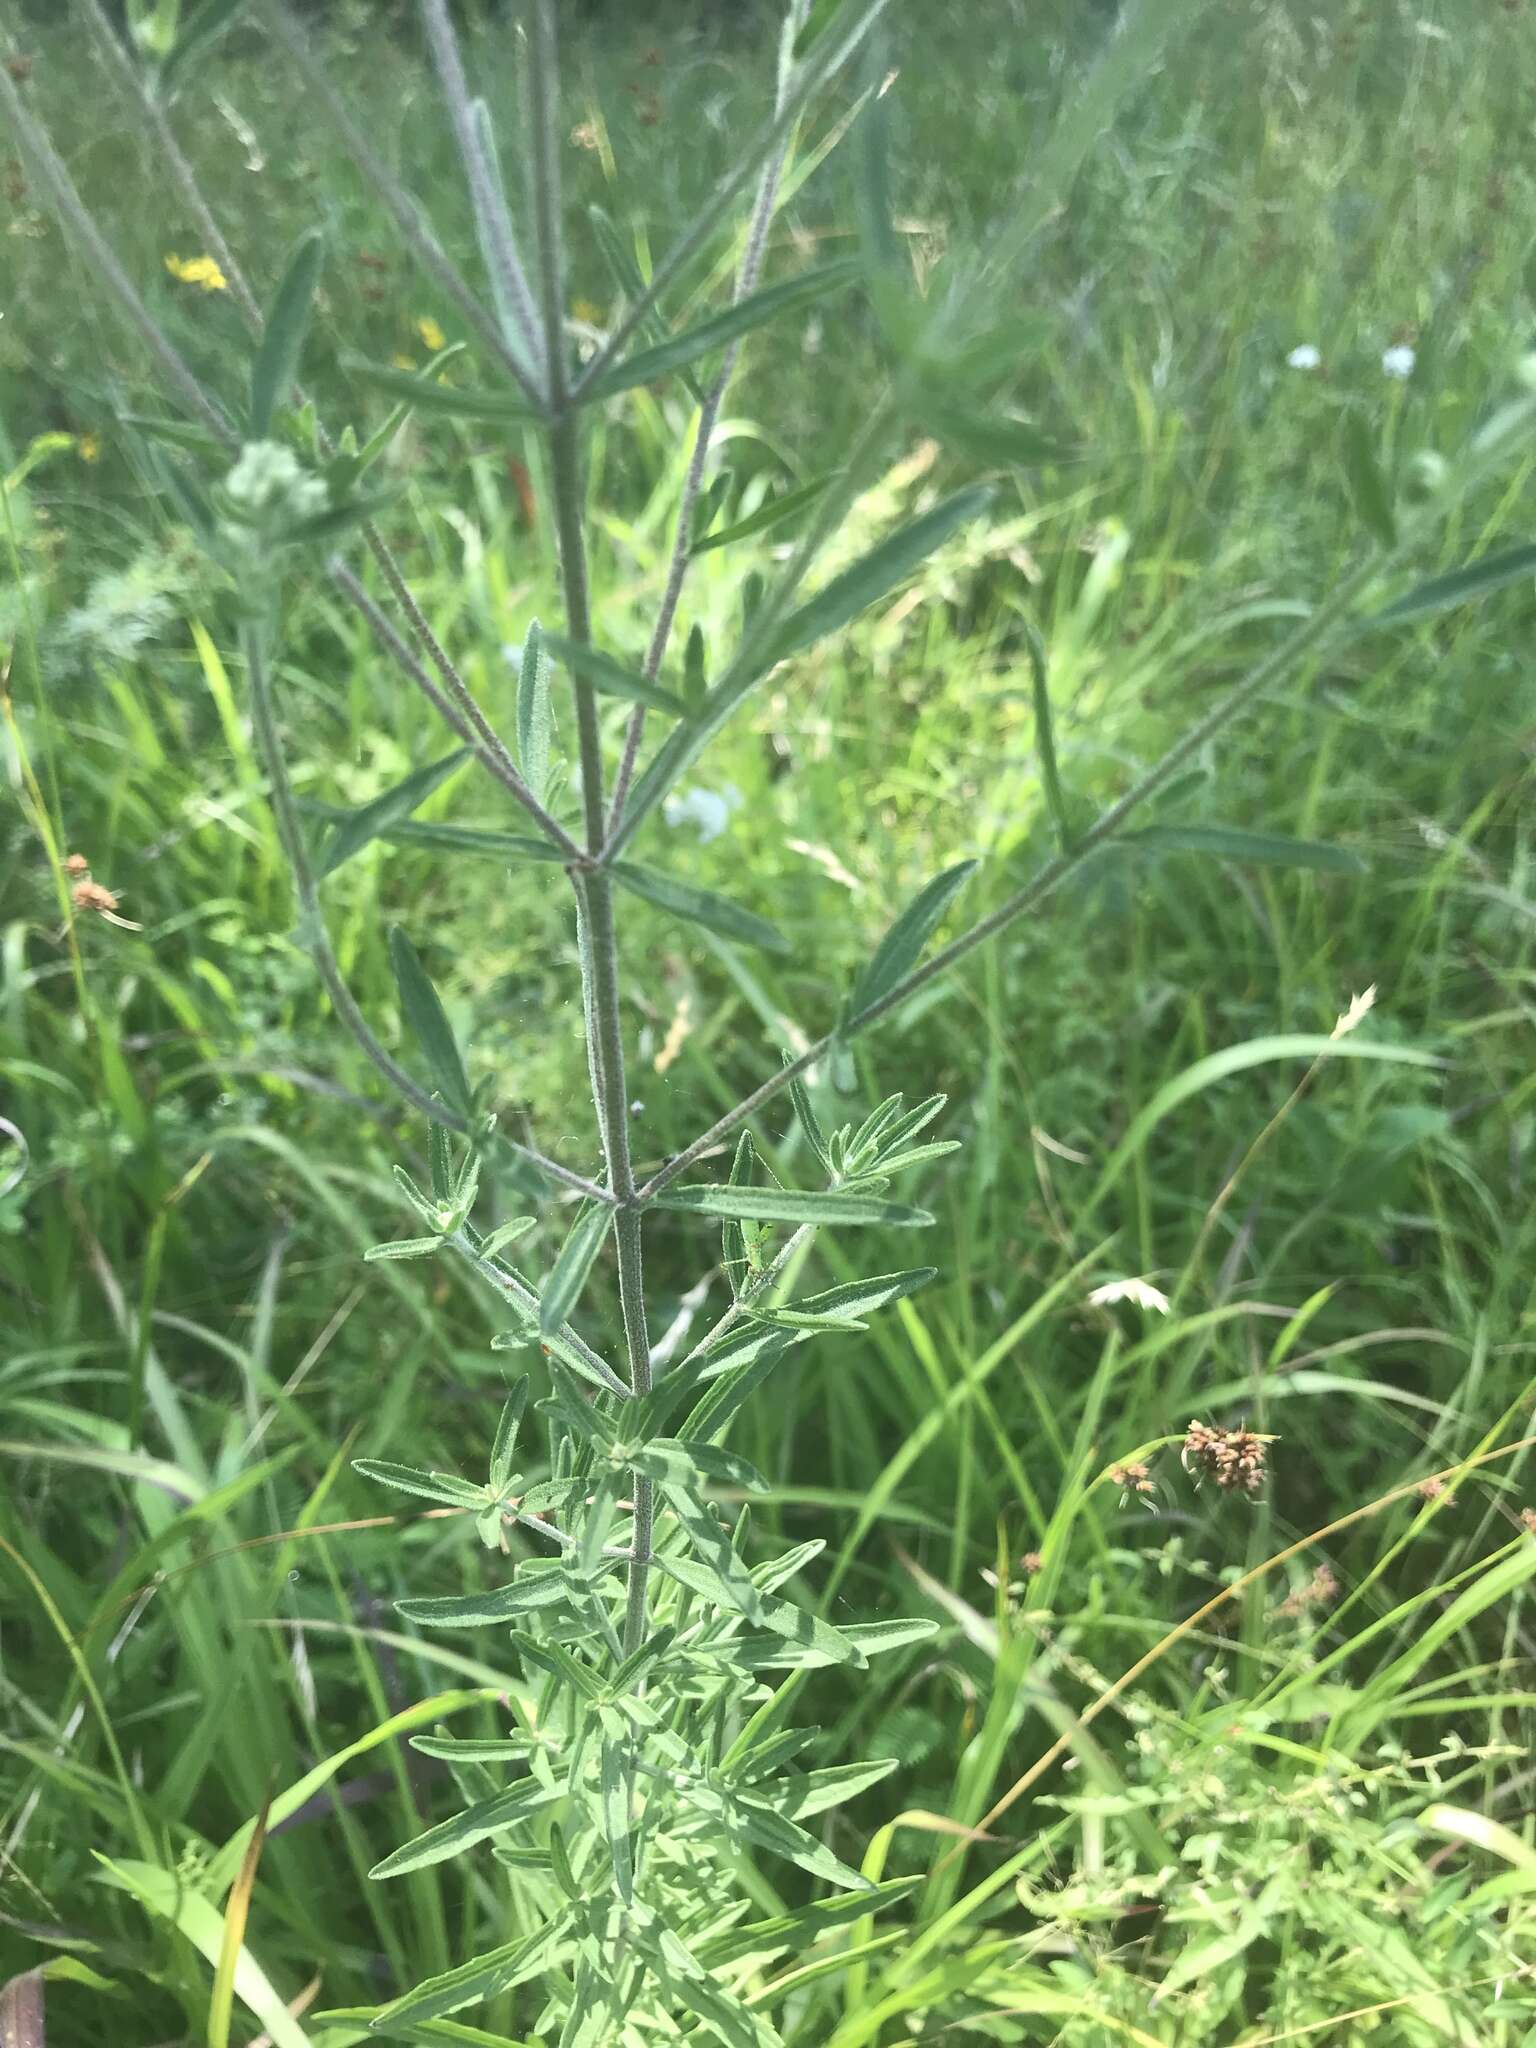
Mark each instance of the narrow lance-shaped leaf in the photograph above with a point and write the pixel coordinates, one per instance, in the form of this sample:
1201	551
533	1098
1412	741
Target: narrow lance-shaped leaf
896	557
748	1816
1461	586
574	1262
729	1582
445	838
802	1794
792	1205
786	1624
535	718
695	681
999	440
699	906
647	364
903	945
875	1638
428	1023
530	1591
878	240
1268	848
276	367
625	272
673	1463
1045	735
444	1487
426	394
475	1824
610	677
613	1799
846	1306
404	1248
1368	488
773	512
803	1925
688	1984
809	1122
472	1983
505	1446
373	820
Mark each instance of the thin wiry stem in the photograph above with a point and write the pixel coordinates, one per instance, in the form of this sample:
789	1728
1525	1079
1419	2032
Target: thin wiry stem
818	66
414	230
493	219
78	219
709	413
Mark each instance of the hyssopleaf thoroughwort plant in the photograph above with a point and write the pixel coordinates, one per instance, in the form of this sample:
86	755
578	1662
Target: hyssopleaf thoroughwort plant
647	1759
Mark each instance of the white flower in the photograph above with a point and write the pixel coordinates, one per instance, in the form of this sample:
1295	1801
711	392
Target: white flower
1142	1292
1359	1008
1305	356
708	809
1398	361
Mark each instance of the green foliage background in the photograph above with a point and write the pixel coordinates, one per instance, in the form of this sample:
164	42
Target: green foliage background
194	1351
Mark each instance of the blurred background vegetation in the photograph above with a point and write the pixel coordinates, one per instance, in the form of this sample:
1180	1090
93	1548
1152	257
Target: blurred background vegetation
195	1156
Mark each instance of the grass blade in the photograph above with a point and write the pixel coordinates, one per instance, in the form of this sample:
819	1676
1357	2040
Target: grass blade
1461	586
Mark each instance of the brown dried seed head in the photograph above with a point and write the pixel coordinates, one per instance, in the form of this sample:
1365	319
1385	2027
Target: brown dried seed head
77	864
89	895
1234	1458
1132	1478
1031	1562
1319	1590
1528	1521
1430	1489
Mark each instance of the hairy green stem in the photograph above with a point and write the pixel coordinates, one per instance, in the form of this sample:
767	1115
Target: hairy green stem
594	891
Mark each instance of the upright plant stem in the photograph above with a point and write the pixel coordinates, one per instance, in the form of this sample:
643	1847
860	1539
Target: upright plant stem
594	891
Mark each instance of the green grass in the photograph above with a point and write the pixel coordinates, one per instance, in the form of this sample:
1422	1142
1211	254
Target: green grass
1234	1849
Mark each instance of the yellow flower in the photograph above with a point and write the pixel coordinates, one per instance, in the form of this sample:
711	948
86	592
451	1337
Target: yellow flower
201	270
402	362
88	447
431	333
